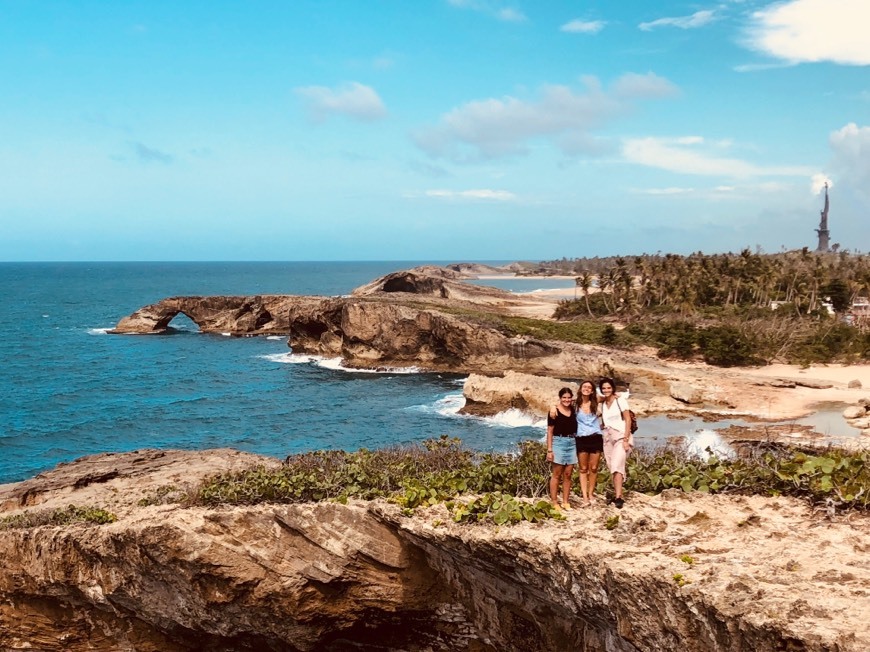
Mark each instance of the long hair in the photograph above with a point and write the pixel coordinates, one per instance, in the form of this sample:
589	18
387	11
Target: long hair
593	397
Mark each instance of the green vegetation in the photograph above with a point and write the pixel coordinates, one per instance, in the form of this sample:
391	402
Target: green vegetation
687	559
830	475
162	495
64	516
680	580
414	476
718	307
611	522
503	488
502	509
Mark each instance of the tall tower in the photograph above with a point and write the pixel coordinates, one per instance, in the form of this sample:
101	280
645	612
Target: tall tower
824	234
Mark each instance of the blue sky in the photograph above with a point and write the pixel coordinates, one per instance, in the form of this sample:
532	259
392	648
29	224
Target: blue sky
433	129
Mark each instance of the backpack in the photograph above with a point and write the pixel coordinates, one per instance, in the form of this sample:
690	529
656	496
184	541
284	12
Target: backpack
631	416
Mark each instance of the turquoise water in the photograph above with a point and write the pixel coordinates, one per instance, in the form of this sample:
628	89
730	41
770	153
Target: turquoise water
69	389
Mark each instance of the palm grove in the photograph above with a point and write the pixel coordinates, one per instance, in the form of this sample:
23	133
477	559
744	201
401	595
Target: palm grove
721	306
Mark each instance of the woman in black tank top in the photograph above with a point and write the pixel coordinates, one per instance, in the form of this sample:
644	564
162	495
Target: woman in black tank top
561	449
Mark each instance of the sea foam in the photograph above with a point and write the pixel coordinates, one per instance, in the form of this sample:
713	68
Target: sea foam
335	364
451	404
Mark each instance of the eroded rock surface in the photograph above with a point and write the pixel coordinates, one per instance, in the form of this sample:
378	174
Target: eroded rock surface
427	318
679	572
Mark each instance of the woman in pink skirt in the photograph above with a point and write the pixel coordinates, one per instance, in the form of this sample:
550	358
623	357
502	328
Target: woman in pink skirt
618	440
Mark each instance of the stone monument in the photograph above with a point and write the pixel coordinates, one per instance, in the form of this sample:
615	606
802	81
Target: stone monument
824	234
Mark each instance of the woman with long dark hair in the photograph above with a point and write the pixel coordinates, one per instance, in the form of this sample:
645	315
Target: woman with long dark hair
589	441
561	450
618	440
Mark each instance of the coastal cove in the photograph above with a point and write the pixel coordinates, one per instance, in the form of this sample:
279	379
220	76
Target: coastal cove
71	390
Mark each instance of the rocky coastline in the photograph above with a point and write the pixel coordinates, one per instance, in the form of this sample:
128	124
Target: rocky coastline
676	571
428	318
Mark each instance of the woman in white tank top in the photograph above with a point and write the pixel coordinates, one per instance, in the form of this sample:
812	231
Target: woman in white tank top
618	440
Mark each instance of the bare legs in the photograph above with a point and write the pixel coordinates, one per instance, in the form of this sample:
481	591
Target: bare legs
588	463
561	475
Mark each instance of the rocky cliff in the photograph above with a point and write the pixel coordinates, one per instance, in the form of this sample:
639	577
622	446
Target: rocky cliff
676	572
427	318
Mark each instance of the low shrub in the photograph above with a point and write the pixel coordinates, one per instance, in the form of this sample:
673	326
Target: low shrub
60	516
443	471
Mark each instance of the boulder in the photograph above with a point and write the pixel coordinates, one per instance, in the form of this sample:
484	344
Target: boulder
854	384
814	384
782	382
685	393
854	412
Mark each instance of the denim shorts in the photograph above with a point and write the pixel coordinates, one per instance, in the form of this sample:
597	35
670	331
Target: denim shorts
564	450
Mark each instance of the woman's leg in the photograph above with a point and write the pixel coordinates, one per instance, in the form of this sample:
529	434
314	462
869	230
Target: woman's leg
617	468
555	477
592	474
583	473
566	484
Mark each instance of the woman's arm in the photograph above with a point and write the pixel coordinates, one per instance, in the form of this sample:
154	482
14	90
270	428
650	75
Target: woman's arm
550	435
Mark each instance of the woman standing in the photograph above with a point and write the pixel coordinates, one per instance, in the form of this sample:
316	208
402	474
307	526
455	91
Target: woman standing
561	450
590	442
618	440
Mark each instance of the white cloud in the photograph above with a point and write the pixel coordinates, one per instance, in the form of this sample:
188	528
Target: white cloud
662	191
583	26
354	100
697	19
818	182
632	85
680	155
147	154
493	128
813	30
851	159
484	194
492	8
511	15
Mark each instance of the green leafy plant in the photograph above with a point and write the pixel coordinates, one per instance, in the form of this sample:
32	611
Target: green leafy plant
611	522
680	580
503	509
62	516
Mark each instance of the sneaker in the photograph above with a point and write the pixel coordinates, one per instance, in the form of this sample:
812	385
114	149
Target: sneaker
618	502
566	506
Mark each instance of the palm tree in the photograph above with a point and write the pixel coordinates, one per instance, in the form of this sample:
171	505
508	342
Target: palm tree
584	281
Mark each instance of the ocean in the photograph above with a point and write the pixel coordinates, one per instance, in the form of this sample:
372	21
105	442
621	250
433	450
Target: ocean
70	389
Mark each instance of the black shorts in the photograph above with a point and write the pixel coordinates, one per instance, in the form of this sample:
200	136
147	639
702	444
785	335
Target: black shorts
590	444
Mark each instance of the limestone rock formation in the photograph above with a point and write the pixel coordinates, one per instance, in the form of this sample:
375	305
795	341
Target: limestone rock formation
686	393
765	573
237	315
431	281
427	318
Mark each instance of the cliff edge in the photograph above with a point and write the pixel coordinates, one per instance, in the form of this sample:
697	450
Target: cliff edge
676	572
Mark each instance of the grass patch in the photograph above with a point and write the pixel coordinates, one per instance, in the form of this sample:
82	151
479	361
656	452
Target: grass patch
62	516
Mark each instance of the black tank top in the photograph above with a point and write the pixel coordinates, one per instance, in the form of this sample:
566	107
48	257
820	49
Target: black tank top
563	425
